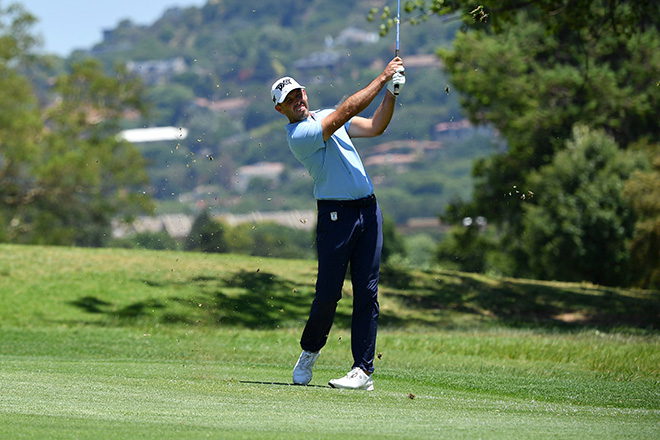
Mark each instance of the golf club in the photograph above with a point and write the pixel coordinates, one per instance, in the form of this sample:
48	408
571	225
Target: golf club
396	50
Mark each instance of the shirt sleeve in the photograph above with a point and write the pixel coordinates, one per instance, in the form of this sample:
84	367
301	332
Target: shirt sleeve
305	138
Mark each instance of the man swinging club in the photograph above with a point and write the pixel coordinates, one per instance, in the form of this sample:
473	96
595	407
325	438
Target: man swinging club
349	224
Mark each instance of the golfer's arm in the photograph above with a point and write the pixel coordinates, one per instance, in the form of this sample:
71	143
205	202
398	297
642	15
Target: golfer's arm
376	125
353	105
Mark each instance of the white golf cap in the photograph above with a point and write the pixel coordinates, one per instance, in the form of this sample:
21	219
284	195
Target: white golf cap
282	87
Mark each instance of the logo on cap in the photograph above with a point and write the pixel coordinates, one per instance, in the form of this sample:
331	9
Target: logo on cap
282	87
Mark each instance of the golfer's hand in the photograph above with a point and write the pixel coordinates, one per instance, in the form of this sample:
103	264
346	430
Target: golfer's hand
392	67
399	78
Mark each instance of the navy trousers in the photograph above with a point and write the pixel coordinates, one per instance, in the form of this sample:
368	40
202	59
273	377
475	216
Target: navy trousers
347	232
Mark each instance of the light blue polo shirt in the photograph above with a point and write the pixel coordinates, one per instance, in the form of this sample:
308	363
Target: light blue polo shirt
334	165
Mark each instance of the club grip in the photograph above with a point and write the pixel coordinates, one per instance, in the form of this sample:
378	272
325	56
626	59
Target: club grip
396	54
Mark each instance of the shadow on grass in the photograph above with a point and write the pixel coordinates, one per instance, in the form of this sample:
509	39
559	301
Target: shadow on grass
520	303
91	304
255	300
262	300
289	384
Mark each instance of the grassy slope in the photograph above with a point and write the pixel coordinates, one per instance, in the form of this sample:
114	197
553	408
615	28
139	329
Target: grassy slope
53	286
139	344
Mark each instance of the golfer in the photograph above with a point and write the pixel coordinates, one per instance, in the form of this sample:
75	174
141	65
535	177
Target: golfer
349	224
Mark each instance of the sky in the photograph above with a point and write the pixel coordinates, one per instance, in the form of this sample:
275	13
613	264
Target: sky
66	25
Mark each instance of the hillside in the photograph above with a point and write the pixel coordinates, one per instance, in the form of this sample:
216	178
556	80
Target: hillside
111	287
209	70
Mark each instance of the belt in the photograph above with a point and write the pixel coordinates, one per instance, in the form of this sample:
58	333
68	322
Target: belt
358	203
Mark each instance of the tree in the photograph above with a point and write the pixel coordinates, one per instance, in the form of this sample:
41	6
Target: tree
580	224
207	235
534	86
63	172
643	192
20	123
534	70
85	176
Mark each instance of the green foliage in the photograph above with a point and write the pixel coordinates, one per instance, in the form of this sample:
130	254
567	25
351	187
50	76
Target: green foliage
20	123
273	240
235	52
241	239
642	191
269	239
63	174
578	224
146	240
261	239
420	249
207	235
85	175
557	15
531	69
534	70
425	189
169	103
16	39
465	248
534	86
393	244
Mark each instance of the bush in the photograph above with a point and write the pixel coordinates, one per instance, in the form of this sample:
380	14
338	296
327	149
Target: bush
207	235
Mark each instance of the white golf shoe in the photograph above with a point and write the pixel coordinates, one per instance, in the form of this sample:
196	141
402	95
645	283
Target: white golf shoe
302	372
356	379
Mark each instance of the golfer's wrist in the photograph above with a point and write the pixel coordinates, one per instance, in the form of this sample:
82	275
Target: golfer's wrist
384	80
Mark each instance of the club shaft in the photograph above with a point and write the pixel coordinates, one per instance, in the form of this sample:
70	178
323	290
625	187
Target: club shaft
398	17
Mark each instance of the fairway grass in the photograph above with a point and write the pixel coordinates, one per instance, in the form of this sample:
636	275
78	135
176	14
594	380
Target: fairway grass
122	383
121	344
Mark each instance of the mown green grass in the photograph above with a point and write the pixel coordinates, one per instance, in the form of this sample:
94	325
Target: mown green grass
137	344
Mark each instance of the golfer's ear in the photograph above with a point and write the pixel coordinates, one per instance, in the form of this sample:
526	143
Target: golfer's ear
279	108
